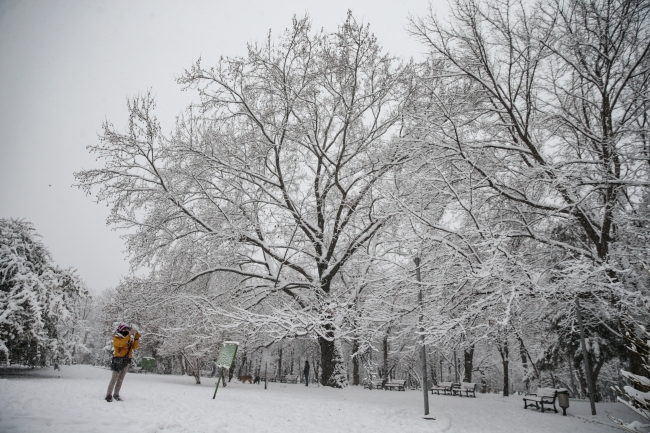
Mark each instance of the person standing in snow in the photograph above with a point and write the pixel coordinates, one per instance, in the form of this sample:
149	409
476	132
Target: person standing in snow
306	373
125	341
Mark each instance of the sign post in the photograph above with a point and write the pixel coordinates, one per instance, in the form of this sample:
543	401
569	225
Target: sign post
225	360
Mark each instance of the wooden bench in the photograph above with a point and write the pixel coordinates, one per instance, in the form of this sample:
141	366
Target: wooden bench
541	397
290	378
373	384
445	387
395	384
465	387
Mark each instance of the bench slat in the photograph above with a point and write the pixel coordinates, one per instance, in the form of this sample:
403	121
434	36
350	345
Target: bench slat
396	383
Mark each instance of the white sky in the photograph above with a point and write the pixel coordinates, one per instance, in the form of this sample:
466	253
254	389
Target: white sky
66	65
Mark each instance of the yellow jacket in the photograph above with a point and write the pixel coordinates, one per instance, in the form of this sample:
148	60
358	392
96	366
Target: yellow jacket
123	345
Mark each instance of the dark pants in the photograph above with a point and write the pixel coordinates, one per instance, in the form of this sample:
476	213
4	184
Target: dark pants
306	378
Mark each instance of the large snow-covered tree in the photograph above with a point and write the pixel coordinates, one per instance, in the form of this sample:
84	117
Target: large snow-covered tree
273	173
558	110
38	299
535	118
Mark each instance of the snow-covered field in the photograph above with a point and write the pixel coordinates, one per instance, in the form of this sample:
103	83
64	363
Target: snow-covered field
72	401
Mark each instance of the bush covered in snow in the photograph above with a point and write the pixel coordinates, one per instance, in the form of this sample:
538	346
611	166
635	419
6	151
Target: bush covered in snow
637	396
37	298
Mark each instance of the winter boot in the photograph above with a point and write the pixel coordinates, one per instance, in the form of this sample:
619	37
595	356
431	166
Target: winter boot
108	398
117	398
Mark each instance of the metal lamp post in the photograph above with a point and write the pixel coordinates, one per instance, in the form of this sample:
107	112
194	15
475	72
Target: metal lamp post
423	351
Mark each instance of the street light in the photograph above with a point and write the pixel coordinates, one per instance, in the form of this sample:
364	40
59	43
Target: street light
423	351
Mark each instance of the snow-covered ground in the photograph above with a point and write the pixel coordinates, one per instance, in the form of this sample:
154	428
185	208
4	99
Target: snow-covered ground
72	401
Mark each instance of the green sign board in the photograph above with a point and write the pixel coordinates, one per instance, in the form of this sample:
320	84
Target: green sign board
148	363
227	354
225	360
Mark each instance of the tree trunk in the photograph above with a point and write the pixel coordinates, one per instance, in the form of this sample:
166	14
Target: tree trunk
279	372
242	365
326	355
291	362
193	369
506	380
594	377
574	389
331	364
469	362
524	364
197	375
182	363
503	351
355	363
385	356
432	364
582	380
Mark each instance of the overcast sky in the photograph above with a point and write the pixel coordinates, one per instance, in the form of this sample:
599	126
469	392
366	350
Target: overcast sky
65	66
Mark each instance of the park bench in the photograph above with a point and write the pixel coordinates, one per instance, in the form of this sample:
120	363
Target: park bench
445	387
541	397
465	387
290	378
373	383
395	384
